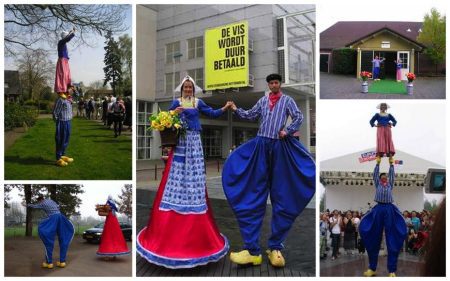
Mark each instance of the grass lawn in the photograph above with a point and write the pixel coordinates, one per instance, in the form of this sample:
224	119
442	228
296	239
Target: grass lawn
387	87
97	154
19	231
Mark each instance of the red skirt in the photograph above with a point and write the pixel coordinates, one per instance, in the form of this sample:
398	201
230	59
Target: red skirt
112	242
385	145
177	240
62	76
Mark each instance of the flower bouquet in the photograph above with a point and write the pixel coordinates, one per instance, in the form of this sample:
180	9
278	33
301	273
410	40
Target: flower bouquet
365	75
411	77
169	125
103	210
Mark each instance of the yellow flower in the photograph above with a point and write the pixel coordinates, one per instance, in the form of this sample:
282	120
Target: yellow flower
172	112
177	126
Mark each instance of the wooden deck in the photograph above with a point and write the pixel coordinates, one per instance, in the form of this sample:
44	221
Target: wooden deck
221	268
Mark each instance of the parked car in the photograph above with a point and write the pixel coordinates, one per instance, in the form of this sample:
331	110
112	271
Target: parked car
93	235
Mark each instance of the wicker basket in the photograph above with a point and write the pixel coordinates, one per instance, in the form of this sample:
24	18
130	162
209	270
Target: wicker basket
169	138
103	210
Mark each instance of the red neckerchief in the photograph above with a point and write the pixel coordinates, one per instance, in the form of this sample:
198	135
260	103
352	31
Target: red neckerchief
383	183
273	99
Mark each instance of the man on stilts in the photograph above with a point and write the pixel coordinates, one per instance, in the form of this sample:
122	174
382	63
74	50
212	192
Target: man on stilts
56	224
62	112
274	163
384	216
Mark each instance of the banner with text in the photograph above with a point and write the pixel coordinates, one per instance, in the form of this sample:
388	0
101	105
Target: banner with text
226	56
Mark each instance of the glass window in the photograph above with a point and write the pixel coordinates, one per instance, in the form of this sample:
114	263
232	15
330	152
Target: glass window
173	52
172	80
404	58
144	136
197	75
212	142
195	47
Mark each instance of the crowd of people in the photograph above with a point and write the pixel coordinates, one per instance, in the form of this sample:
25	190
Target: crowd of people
339	229
113	111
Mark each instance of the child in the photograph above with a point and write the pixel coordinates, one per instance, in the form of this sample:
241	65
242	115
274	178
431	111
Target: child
398	65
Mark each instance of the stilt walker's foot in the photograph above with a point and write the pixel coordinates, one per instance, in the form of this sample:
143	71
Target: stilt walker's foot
369	273
244	257
391	160
60	264
276	258
67	159
61	163
47	265
392	274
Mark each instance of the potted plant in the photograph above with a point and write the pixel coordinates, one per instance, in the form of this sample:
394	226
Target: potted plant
365	75
169	125
409	87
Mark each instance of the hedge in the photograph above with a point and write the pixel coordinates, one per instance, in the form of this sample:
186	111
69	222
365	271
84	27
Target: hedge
344	61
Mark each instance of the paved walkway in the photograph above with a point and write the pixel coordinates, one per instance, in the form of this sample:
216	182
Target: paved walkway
348	87
355	265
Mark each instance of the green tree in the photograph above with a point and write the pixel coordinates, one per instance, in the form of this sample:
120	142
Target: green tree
66	195
126	56
126	201
35	70
433	36
113	63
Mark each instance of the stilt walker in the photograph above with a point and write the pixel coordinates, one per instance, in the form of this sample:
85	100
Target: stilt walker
112	241
62	115
181	231
274	163
63	79
385	216
56	224
384	122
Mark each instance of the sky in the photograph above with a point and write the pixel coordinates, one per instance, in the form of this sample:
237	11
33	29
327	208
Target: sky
381	10
343	128
86	62
95	192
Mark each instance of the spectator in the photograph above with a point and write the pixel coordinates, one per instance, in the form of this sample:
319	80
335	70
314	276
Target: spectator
323	235
335	226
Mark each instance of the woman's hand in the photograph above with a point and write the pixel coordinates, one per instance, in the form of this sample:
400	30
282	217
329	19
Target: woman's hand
179	109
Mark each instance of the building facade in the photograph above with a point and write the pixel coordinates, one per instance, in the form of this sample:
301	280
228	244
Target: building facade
281	40
390	40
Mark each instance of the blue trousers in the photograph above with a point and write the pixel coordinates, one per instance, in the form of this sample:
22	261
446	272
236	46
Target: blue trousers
56	225
261	167
376	73
385	217
62	136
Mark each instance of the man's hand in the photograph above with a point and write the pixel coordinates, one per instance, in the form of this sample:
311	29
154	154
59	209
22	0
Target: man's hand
378	160
391	160
233	106
282	134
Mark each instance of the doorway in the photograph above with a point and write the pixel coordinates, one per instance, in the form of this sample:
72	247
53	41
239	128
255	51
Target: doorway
387	68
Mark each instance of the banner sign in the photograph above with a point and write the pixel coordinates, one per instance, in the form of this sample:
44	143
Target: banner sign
226	56
368	156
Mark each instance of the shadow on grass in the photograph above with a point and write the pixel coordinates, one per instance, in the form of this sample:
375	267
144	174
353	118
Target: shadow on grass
35	161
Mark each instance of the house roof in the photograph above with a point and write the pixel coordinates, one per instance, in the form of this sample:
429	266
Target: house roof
12	83
350	163
343	33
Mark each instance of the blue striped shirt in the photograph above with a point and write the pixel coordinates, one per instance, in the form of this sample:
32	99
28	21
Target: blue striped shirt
62	110
272	122
383	194
48	205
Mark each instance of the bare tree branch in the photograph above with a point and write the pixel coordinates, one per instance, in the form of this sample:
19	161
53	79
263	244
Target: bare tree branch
28	25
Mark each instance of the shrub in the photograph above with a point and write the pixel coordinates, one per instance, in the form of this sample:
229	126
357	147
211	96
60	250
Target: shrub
16	115
344	61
